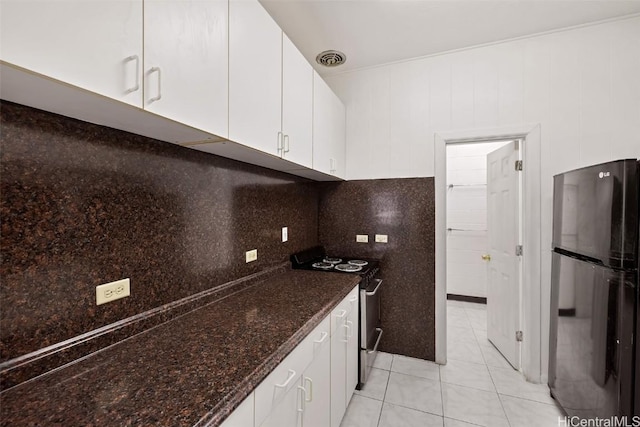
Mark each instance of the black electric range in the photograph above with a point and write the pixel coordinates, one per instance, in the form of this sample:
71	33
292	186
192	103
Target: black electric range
317	259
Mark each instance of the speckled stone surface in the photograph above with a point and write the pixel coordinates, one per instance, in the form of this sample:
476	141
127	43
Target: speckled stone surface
31	365
195	368
404	209
82	205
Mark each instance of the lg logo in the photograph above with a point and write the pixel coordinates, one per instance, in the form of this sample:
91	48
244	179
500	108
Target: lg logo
603	174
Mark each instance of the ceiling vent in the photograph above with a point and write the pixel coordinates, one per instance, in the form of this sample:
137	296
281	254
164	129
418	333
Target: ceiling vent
331	58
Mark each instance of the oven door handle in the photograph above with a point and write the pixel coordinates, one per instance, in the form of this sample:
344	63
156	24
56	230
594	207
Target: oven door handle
372	293
375	347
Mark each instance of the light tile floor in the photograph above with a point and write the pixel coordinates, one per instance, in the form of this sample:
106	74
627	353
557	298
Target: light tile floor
477	386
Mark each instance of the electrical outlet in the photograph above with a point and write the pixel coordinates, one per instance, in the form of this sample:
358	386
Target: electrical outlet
381	238
285	234
362	238
251	256
112	291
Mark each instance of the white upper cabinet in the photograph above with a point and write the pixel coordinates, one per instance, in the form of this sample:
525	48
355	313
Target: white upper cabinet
255	77
95	45
329	131
186	62
207	70
297	105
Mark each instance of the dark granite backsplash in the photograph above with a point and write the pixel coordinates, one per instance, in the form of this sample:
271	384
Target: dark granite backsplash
83	205
403	209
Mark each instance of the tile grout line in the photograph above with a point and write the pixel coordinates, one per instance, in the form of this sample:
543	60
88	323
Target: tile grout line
487	368
384	396
492	380
442	392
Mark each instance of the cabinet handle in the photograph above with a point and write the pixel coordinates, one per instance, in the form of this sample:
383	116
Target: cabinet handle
303	399
159	96
310	381
344	312
286	143
137	85
280	141
353	299
323	336
291	376
349	325
347	334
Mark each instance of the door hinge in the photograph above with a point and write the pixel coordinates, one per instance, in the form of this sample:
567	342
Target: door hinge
518	336
519	250
518	165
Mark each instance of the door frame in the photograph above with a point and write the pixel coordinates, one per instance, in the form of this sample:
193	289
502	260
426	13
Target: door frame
531	289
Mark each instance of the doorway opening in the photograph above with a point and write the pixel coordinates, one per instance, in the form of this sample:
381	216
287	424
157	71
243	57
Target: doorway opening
483	270
534	343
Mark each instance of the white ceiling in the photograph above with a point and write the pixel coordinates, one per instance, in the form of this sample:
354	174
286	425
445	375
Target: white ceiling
373	32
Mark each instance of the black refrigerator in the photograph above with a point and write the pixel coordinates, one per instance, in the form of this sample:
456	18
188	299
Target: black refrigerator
594	291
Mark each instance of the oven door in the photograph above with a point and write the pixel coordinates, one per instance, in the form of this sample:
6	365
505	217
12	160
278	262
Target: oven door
370	331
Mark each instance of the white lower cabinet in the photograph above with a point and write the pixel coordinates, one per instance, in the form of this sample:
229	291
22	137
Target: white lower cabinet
242	416
352	345
316	382
344	355
288	411
312	386
338	365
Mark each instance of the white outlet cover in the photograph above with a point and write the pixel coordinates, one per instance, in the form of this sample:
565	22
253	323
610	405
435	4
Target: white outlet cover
362	238
381	238
112	291
251	255
285	234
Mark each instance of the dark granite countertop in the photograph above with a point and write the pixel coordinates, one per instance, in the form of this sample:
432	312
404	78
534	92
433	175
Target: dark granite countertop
192	370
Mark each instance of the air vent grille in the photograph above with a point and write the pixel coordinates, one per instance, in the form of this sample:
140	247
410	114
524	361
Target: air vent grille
331	58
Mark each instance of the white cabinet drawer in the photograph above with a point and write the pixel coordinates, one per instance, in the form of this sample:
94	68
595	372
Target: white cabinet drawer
340	313
287	374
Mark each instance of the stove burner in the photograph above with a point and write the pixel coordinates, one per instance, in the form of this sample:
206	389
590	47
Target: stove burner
332	260
322	265
349	268
358	262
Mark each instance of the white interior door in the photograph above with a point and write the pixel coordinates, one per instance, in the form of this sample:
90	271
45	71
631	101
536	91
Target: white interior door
503	225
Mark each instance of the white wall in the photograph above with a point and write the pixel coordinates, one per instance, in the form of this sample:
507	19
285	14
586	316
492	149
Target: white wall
467	212
582	86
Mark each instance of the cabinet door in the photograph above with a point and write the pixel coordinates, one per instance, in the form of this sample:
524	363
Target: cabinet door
297	105
95	45
255	76
286	413
338	368
328	129
352	347
242	416
338	138
317	383
186	62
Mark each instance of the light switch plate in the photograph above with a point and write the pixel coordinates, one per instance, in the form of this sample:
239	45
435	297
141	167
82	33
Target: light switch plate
285	234
112	291
362	238
381	238
251	255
